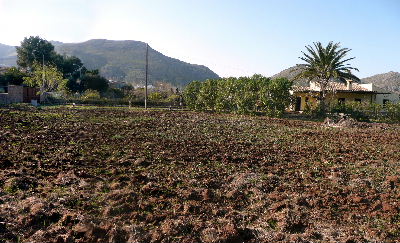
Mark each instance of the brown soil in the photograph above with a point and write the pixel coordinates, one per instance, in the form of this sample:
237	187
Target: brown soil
118	175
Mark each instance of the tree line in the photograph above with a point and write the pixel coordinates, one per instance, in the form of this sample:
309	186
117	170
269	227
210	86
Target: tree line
243	95
40	66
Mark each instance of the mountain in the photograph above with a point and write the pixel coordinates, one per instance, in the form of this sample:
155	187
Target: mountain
126	61
291	73
8	55
389	81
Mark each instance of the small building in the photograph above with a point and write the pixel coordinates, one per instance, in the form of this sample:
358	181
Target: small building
19	94
342	93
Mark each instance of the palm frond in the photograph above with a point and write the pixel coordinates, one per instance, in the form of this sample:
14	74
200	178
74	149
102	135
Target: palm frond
326	63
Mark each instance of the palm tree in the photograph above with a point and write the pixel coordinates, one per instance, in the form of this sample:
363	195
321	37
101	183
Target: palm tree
324	65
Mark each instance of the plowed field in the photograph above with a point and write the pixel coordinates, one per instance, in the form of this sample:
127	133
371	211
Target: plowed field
72	174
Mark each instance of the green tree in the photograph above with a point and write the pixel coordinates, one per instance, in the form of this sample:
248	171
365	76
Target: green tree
70	66
34	49
206	98
90	94
92	80
324	65
13	76
48	78
246	96
191	93
275	96
226	88
155	96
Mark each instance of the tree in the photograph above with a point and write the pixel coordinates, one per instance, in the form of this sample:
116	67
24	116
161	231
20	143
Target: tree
48	78
92	80
70	66
13	76
191	94
275	96
207	95
34	49
324	65
155	96
225	94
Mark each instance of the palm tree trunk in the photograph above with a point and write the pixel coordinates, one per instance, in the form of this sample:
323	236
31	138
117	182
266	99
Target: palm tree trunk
323	105
323	97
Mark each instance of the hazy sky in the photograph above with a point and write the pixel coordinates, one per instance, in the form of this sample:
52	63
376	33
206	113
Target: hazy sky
232	37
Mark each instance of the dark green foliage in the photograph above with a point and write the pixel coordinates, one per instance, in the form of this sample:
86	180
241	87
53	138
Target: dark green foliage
70	66
393	112
94	82
37	50
207	95
190	94
114	93
244	95
13	76
275	96
353	109
77	77
34	49
359	111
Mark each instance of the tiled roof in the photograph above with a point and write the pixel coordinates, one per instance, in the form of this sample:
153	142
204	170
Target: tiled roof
334	86
342	86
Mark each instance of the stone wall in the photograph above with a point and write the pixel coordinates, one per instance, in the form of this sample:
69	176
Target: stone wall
15	95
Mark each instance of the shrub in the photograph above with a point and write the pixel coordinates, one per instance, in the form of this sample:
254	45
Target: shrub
244	95
91	94
355	110
191	94
155	96
393	112
173	99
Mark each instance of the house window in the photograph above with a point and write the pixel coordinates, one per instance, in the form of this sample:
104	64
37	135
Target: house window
3	89
341	100
357	100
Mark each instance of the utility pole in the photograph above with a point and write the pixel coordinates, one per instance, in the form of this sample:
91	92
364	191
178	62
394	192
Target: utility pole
147	67
43	74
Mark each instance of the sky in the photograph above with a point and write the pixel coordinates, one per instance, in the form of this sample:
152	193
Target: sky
231	37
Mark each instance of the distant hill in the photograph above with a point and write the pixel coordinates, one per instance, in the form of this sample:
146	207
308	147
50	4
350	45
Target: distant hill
291	73
389	81
7	56
125	61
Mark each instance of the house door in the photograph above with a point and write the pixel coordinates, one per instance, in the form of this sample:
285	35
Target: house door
30	94
298	104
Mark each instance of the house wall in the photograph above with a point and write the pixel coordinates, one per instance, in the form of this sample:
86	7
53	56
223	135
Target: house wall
349	97
392	97
312	100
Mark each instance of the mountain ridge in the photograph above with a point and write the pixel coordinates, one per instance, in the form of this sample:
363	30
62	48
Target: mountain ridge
125	61
389	81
